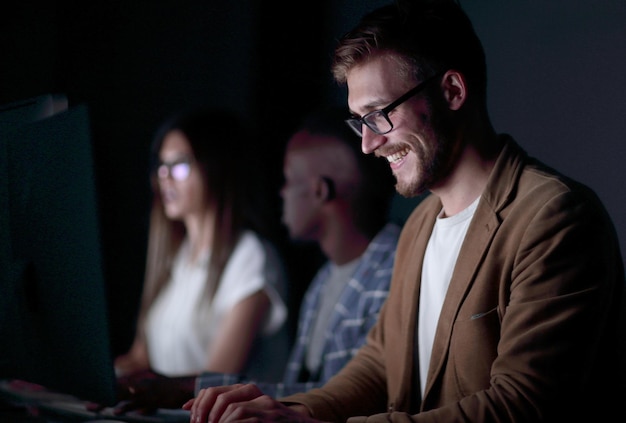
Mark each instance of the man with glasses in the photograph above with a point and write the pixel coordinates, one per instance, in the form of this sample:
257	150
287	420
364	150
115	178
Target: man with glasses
505	297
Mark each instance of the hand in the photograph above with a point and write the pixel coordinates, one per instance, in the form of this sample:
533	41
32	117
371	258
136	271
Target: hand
145	391
242	402
125	390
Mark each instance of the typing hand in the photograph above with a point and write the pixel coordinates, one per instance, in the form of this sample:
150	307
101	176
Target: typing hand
242	403
146	391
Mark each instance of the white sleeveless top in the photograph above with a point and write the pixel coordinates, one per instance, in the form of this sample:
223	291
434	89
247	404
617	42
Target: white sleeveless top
182	323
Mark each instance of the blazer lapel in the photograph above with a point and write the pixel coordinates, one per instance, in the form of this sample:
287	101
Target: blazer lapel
479	235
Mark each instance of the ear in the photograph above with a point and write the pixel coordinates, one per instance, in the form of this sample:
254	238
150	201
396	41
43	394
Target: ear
326	188
454	89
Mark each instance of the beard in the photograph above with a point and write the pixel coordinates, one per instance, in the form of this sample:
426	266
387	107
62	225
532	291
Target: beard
436	153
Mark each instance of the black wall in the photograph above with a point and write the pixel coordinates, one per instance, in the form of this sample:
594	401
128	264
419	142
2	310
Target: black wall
557	77
134	63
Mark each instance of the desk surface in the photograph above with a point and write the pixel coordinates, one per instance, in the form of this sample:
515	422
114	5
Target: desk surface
14	414
24	416
17	406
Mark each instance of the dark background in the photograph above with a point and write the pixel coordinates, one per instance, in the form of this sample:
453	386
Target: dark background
557	72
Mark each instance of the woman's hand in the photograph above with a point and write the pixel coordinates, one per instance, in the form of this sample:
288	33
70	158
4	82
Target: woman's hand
146	391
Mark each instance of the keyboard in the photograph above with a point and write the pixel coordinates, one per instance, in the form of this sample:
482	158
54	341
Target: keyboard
66	408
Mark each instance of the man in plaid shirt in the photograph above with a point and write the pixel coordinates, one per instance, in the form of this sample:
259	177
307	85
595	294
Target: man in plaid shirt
339	197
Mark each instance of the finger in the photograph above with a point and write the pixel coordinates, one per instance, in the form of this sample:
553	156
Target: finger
263	409
188	404
205	403
248	412
202	404
241	419
227	403
95	407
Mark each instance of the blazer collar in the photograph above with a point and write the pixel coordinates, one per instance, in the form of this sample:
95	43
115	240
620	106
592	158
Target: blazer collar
498	192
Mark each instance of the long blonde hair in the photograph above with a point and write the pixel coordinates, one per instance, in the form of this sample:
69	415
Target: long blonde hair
217	138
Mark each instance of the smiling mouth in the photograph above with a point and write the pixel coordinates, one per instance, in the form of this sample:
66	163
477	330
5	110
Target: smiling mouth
397	156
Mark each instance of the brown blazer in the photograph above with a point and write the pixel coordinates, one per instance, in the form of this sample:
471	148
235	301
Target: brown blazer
528	328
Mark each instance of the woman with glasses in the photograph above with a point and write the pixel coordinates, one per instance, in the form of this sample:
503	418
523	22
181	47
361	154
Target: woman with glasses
213	291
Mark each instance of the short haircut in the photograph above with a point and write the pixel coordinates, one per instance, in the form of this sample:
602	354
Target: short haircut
372	198
430	36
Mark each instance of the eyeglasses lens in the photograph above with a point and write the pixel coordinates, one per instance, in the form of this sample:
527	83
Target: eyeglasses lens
178	171
356	126
376	121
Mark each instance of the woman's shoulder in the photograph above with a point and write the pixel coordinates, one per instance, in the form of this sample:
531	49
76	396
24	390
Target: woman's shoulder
252	242
254	247
249	242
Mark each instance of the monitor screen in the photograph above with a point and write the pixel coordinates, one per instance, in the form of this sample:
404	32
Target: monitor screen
53	313
32	109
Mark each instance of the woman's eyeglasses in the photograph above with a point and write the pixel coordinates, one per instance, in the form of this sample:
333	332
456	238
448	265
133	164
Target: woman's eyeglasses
178	170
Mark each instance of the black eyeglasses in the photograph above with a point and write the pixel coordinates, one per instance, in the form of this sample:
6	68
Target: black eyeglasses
378	120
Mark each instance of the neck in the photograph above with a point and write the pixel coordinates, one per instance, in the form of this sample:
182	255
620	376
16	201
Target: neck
474	164
342	243
200	233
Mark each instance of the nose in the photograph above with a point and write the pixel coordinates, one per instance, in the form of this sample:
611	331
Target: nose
370	140
165	181
164	173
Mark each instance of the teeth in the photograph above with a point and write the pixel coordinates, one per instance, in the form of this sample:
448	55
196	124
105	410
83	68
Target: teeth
397	156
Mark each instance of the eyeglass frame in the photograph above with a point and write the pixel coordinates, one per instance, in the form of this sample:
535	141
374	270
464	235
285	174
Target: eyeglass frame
164	170
356	124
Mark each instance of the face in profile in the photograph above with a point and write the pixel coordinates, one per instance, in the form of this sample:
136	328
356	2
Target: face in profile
300	203
419	148
180	181
310	161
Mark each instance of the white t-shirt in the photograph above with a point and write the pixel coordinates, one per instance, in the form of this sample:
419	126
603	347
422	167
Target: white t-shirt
182	323
439	261
333	288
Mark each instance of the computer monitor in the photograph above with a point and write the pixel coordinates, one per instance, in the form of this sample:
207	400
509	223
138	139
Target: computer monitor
53	313
32	109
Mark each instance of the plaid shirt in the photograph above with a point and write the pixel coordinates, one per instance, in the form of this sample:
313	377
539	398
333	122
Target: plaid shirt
353	316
